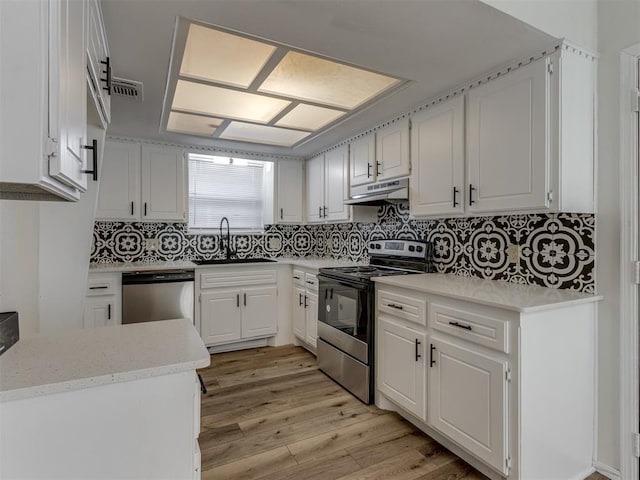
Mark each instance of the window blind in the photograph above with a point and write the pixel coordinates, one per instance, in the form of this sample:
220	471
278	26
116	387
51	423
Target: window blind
225	187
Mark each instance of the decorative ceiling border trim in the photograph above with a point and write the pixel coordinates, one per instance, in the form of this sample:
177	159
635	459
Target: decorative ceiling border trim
227	151
482	79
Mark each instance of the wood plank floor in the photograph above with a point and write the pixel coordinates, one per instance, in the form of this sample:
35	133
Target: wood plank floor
271	414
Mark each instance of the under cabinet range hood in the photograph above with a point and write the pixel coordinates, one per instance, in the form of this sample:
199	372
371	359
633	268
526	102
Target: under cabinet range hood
380	193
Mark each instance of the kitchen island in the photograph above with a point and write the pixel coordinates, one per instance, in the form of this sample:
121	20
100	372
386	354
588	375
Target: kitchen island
111	402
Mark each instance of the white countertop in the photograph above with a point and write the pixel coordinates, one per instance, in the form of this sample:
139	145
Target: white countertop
312	263
510	296
77	359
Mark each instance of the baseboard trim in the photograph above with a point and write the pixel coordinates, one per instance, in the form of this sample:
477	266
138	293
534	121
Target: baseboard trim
230	347
607	470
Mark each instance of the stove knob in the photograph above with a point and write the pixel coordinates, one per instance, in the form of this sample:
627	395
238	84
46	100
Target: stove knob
378	246
411	248
419	248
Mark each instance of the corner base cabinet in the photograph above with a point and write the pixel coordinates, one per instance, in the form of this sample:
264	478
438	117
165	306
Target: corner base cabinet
509	389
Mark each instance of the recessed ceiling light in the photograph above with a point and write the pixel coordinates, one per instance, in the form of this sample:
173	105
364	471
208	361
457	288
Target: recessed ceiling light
249	132
192	124
222	102
223	57
309	117
303	76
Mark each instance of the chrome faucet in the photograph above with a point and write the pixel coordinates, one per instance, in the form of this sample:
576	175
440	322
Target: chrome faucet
229	253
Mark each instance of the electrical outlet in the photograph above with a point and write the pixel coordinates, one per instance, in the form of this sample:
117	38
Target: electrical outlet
513	253
151	244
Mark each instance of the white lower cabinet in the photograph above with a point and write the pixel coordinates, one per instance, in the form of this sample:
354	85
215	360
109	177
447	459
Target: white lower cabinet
468	400
401	369
103	301
236	304
305	307
509	390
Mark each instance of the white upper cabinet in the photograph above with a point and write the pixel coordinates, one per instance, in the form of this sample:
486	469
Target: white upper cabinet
530	138
119	193
437	153
289	196
163	184
392	150
70	120
508	154
315	189
362	160
98	63
43	108
336	184
142	183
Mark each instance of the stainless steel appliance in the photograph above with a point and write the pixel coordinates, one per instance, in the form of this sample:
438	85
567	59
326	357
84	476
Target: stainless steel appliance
346	306
157	295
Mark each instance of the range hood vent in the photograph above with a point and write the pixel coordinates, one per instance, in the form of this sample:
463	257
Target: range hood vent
380	193
127	88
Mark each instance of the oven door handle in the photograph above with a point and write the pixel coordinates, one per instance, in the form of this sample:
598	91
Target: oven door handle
332	282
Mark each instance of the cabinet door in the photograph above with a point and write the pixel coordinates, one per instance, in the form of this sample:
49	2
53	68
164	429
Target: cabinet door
468	400
315	189
401	365
119	191
336	184
508	141
163	184
97	52
437	158
299	313
362	160
259	312
392	150
68	111
289	196
312	318
220	316
100	312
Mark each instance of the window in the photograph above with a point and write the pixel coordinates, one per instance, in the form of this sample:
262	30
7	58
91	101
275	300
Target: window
236	188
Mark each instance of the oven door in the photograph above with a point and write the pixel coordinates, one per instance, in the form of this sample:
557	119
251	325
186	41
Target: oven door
345	316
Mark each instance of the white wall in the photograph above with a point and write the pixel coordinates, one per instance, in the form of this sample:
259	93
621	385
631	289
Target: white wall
618	28
575	20
19	260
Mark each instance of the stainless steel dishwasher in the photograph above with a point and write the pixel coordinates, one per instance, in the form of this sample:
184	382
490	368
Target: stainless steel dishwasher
157	295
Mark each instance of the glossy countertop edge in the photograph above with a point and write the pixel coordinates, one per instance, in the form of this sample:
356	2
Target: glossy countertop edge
313	263
65	361
492	293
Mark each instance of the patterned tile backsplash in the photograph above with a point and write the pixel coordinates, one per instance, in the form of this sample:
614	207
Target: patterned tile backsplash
552	250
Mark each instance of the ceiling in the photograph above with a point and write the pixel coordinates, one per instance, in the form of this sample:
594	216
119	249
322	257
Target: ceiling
437	44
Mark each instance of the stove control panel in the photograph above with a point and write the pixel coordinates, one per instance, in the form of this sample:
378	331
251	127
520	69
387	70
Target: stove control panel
400	248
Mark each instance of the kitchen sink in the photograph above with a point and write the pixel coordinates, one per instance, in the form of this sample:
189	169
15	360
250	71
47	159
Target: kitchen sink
230	261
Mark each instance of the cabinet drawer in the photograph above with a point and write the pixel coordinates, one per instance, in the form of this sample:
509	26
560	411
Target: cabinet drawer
311	281
234	278
103	284
401	305
480	329
298	277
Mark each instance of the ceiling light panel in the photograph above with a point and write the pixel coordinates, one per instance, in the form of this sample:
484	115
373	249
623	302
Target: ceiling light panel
192	124
315	79
222	102
309	117
249	132
222	57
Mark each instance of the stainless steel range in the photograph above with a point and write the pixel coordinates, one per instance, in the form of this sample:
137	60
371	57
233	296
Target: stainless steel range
346	307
